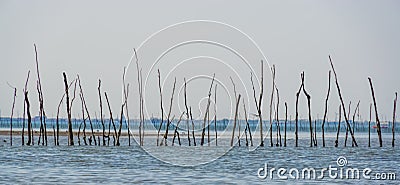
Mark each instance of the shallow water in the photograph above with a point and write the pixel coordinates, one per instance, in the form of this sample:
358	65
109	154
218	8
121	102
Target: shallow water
131	164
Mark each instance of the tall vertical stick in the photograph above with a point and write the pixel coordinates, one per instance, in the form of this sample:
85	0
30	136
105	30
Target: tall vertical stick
394	117
70	134
259	103
101	113
161	106
285	123
28	113
207	112
23	124
194	138
234	121
378	123
369	125
215	115
297	110
338	127
326	109
12	113
169	120
187	117
309	111
270	105
247	124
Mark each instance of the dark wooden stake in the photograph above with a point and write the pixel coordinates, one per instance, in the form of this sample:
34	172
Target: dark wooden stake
176	131
187	117
259	102
161	106
111	115
215	115
326	109
284	144
342	102
338	127
270	105
23	119
394	118
191	118
12	113
378	123
369	125
169	120
207	112
297	111
70	134
101	113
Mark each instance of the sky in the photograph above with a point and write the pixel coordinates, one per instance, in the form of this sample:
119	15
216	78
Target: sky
95	39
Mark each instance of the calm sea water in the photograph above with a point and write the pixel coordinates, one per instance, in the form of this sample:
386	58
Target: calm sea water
132	164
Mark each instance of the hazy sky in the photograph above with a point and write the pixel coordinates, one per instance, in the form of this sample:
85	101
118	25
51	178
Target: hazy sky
96	39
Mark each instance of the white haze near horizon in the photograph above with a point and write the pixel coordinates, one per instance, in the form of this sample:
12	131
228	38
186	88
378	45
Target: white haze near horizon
95	39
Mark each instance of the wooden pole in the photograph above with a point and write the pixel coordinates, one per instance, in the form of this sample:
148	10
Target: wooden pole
101	113
161	106
369	125
326	109
378	123
247	125
342	102
354	118
297	111
278	128
206	112
234	121
111	115
41	102
394	118
338	127
191	118
169	120
176	131
284	144
70	134
12	113
215	115
259	102
187	117
347	128
23	124
126	94
309	111
87	111
270	105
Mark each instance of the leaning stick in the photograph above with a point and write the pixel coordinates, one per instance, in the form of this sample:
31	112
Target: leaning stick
169	120
234	121
176	131
342	102
259	103
207	111
378	123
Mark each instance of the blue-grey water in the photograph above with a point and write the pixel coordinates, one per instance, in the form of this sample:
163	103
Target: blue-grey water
131	164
